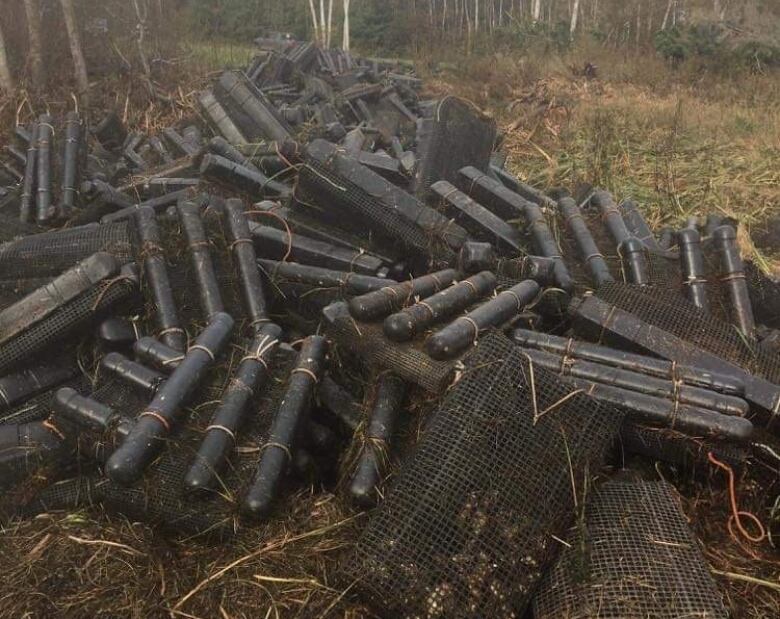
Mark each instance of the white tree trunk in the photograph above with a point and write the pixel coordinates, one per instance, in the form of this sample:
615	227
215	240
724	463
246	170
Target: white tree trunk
6	77
36	47
575	12
330	23
323	25
666	15
74	39
476	16
537	10
346	43
314	21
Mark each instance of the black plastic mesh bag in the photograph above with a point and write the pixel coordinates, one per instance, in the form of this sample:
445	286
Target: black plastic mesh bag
68	320
454	136
368	341
467	530
634	558
349	194
764	295
669	311
50	253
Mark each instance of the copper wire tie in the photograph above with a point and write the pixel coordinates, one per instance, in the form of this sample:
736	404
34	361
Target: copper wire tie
157	417
284	448
227	431
204	349
238	242
306	371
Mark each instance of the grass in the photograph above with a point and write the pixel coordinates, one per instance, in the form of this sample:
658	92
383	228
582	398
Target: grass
681	142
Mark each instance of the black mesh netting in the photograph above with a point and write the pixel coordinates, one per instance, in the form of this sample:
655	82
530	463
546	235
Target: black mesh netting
634	557
39	407
669	311
67	321
50	253
467	529
683	450
341	188
455	136
764	295
11	228
160	497
368	341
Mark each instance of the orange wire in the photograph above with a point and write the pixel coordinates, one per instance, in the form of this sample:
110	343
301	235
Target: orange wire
736	515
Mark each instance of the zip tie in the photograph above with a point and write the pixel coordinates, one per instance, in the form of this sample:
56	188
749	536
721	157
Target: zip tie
284	448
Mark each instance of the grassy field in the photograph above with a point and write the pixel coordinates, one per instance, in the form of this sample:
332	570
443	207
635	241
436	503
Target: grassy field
686	141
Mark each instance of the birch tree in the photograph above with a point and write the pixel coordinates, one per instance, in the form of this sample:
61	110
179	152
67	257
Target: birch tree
6	77
575	11
537	10
74	40
36	47
346	43
315	22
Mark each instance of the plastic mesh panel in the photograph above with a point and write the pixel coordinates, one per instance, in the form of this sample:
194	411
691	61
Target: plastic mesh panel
637	558
11	228
466	530
51	253
764	295
377	204
38	407
67	320
455	137
676	448
367	340
670	312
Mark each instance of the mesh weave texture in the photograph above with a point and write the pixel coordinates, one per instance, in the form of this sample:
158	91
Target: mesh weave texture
467	529
635	559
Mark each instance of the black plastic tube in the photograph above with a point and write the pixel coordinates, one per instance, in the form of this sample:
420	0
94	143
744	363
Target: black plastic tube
475	257
632	254
158	204
372	464
712	223
18	387
156	270
589	251
219	118
70	170
392	298
642	383
30	178
508	205
733	277
43	196
152	351
340	403
349	283
659	368
277	451
692	265
40	303
133	372
637	226
479	222
221	147
84	412
415	319
243	249
278	245
648	409
127	464
222	170
206	276
219	440
176	140
611	216
455	338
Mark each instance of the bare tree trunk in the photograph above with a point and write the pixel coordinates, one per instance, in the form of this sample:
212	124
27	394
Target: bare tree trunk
476	16
6	77
575	12
346	43
330	22
74	38
537	10
315	22
666	15
36	47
